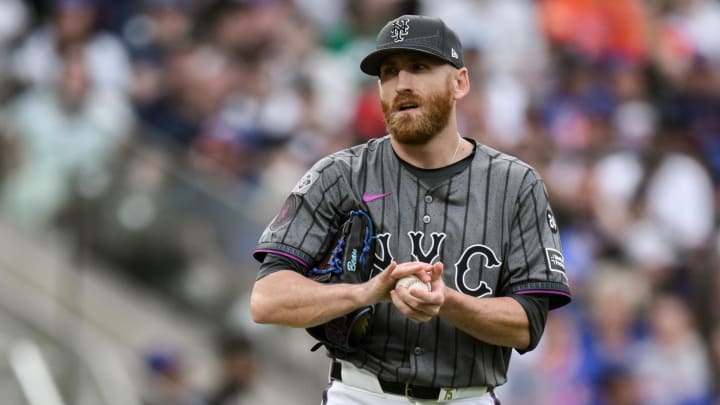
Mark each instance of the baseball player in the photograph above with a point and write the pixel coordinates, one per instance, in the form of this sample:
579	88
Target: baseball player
473	222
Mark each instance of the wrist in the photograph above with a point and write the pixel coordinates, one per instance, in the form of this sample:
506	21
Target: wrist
358	295
450	301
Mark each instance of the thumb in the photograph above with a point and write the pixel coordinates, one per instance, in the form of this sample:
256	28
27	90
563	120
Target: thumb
388	270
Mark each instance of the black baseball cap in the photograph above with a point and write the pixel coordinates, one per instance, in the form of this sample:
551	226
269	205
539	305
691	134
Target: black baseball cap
414	33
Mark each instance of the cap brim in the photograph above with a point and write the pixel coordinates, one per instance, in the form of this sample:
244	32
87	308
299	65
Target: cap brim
371	64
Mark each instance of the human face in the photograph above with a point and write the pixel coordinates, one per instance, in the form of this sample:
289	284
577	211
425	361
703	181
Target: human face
416	95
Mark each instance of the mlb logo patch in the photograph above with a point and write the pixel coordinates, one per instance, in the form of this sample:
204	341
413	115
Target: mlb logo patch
555	260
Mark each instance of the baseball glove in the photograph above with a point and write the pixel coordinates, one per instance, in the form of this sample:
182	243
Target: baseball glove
350	261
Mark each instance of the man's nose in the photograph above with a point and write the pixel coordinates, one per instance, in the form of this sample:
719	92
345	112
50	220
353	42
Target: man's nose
405	80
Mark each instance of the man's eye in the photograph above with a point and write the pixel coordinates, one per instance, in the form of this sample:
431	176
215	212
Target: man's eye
388	71
419	67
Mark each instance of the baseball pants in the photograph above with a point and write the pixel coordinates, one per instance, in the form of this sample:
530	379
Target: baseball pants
359	387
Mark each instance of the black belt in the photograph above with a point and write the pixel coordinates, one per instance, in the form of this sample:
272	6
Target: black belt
397	388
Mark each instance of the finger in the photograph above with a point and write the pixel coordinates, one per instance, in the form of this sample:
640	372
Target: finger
436	271
420	301
408	268
406	309
430	309
378	287
387	273
437	284
410	306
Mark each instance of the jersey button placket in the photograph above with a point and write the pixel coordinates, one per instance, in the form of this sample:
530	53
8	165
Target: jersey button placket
428	200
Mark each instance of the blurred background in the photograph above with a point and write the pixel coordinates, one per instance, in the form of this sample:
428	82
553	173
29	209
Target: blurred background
145	144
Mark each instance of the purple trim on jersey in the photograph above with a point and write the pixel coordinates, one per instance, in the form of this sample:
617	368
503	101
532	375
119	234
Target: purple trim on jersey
285	254
544	292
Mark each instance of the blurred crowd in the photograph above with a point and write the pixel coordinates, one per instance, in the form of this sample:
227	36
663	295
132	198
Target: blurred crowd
160	136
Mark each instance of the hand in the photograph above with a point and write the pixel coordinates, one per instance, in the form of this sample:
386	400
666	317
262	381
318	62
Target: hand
418	304
378	288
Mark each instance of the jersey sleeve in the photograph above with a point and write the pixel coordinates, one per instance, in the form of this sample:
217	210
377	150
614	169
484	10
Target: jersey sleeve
535	261
303	228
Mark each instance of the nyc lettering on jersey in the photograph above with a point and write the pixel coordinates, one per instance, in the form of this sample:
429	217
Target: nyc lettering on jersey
489	260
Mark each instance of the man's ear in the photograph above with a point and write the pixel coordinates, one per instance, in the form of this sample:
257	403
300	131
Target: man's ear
461	83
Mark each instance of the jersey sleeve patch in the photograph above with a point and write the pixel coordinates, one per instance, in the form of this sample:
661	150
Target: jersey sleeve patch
552	223
286	214
555	260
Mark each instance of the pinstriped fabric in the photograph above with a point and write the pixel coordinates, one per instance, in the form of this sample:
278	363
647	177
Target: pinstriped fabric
487	219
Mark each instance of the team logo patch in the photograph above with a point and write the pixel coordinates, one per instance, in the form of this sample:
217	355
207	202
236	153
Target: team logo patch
286	214
555	260
551	221
305	183
400	29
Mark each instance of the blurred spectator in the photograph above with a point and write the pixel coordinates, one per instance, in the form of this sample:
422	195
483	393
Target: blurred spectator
247	28
14	18
136	223
152	34
680	197
72	23
618	386
673	364
167	381
601	30
237	383
617	296
715	353
684	30
560	355
70	130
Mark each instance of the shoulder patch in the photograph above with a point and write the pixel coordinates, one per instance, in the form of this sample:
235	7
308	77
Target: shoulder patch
286	214
306	182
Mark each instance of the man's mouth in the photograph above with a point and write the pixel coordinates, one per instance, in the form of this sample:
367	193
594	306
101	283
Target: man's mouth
407	107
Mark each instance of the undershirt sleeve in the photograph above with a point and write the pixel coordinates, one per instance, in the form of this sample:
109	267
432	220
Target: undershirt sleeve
273	263
537	308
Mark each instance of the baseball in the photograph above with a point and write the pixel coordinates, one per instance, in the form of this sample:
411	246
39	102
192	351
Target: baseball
412	282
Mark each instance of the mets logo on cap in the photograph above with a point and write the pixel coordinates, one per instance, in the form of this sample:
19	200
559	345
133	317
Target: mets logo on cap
400	29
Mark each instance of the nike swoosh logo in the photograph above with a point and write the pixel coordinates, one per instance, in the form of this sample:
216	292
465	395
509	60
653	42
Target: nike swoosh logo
372	197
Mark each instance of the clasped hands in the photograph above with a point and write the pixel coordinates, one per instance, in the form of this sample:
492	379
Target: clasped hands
417	304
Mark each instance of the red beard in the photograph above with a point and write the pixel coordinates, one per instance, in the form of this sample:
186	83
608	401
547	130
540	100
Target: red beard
417	128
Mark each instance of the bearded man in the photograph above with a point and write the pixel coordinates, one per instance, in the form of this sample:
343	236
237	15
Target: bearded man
471	222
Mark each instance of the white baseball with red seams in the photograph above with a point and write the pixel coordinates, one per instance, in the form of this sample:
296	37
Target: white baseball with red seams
412	282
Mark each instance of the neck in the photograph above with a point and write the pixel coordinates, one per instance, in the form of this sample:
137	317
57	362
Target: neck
443	150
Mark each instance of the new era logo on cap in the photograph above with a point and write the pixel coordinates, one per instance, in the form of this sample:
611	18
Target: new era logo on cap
414	33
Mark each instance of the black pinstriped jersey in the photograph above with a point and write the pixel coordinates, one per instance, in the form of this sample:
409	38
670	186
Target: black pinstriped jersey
490	224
